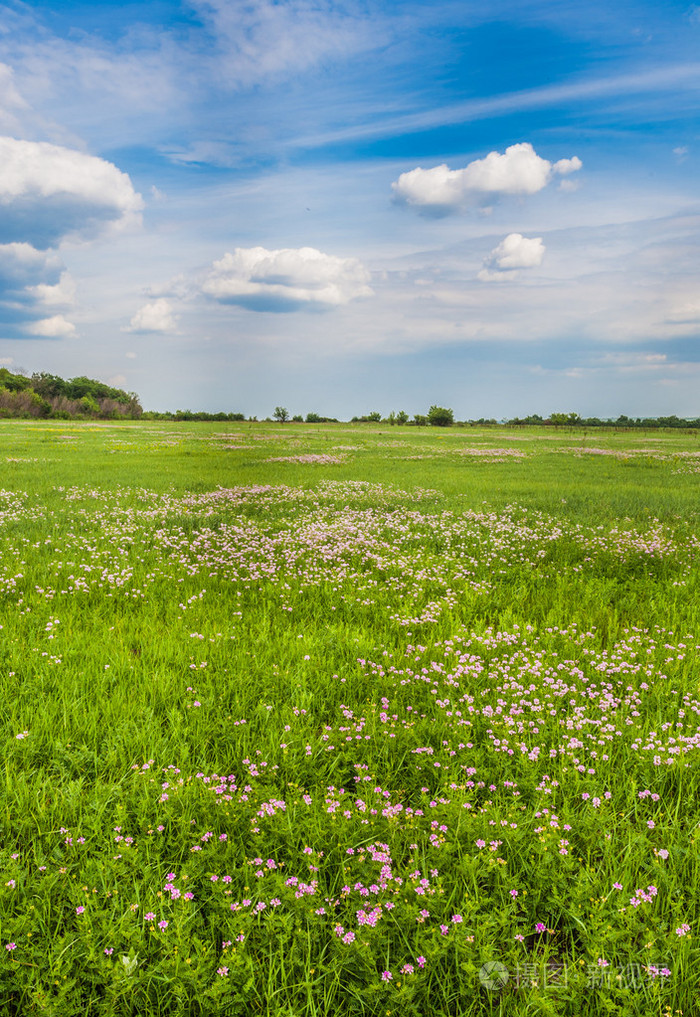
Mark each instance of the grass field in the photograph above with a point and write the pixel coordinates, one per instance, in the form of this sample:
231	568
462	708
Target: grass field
348	721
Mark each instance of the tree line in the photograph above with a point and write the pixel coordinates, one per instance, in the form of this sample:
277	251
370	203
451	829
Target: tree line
49	396
437	416
441	416
623	421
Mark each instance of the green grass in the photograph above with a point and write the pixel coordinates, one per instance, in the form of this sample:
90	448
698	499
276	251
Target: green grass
406	708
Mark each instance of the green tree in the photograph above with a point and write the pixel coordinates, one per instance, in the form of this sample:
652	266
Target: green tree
281	413
402	417
88	405
13	382
562	419
439	416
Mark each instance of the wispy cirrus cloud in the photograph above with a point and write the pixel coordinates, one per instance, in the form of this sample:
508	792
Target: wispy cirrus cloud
635	87
262	39
170	74
13	108
685	314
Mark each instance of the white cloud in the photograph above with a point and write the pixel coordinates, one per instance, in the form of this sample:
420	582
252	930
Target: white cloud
181	287
154	317
636	361
514	252
565	166
263	38
212	153
517	251
56	327
21	265
286	280
48	192
685	314
61	294
31	281
519	170
634	89
130	355
11	102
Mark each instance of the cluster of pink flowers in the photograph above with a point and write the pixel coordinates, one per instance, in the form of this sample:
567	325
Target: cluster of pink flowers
643	896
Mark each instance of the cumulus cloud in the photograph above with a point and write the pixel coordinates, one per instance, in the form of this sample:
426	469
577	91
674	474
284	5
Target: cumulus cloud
514	252
21	265
31	281
56	327
62	294
286	280
48	192
157	316
519	170
565	166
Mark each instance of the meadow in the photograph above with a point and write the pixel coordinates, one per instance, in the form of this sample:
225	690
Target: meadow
348	720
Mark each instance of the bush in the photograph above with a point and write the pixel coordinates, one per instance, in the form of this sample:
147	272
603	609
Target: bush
439	416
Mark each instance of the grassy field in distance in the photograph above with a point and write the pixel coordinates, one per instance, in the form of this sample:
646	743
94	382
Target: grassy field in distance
354	720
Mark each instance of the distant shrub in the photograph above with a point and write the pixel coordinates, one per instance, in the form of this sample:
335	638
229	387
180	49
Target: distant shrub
439	416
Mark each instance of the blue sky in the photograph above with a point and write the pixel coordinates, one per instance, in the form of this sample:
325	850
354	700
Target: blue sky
348	206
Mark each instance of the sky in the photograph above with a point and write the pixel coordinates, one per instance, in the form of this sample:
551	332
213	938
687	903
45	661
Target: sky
342	207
